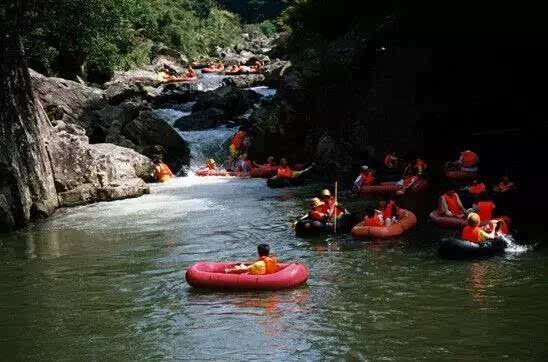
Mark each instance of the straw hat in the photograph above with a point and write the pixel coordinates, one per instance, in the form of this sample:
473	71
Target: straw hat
473	217
316	202
325	192
364	168
210	161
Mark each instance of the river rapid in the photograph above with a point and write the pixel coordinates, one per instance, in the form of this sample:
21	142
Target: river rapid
106	282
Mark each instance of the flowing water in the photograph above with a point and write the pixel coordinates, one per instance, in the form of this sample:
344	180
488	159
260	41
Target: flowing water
106	282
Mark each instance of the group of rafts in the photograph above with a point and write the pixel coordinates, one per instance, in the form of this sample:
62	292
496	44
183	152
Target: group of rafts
170	75
482	233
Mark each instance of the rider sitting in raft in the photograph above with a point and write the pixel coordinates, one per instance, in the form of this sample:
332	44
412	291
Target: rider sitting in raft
211	164
468	162
333	207
373	218
366	177
476	188
504	185
244	165
238	143
388	211
450	204
484	208
285	172
265	264
472	232
161	173
270	162
390	160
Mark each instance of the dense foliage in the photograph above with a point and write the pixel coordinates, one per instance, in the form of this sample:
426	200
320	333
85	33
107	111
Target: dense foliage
68	37
256	11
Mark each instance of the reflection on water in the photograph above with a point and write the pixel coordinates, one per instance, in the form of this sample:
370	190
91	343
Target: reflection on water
108	280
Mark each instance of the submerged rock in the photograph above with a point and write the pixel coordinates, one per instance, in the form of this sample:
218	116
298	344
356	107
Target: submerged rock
244	80
209	118
231	100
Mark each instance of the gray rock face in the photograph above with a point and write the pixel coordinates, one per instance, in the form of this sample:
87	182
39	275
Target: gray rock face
209	118
161	53
231	100
85	173
149	130
68	101
274	71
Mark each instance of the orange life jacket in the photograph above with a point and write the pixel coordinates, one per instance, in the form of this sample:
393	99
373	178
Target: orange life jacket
238	139
485	210
271	264
387	212
471	233
318	213
469	159
162	172
372	221
420	166
330	204
477	189
452	203
368	179
284	172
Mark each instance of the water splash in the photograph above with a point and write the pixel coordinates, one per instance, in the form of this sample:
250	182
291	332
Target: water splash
170	115
206	144
264	91
513	247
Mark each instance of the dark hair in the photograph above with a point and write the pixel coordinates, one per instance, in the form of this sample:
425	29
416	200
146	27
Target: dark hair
370	212
263	249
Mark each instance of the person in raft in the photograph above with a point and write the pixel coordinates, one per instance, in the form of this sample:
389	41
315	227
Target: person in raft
406	182
366	177
318	214
373	218
190	73
484	208
211	165
285	172
504	185
476	188
238	144
450	204
472	231
270	162
333	207
161	173
388	212
468	161
390	160
265	264
244	165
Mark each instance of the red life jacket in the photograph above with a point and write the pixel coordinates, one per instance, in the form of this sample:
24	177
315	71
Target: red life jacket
469	159
452	203
368	179
284	172
271	264
372	221
318	213
407	180
387	212
471	233
238	139
330	204
162	172
477	189
485	210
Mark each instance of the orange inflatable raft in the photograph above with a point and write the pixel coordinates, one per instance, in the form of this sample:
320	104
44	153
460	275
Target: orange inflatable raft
406	221
393	187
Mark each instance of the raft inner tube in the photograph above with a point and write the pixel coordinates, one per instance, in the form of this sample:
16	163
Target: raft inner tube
406	221
213	69
393	187
453	248
461	176
308	227
264	171
448	222
211	275
220	173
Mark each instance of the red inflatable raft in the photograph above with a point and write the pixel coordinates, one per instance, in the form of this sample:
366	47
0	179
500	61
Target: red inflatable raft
461	176
207	172
393	187
181	79
406	221
264	171
212	276
449	222
213	69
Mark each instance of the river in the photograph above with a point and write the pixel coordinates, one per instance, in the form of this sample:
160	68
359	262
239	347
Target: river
106	282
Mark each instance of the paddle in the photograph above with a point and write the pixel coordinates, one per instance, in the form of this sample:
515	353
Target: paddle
335	211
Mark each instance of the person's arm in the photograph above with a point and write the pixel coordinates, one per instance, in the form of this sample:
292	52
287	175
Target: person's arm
410	184
484	235
444	208
460	205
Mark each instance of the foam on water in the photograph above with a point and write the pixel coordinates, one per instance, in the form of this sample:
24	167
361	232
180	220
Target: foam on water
170	115
205	144
264	91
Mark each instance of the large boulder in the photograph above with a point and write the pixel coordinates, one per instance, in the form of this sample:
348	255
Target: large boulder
163	56
148	130
68	101
209	118
245	80
147	76
274	71
231	100
85	173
